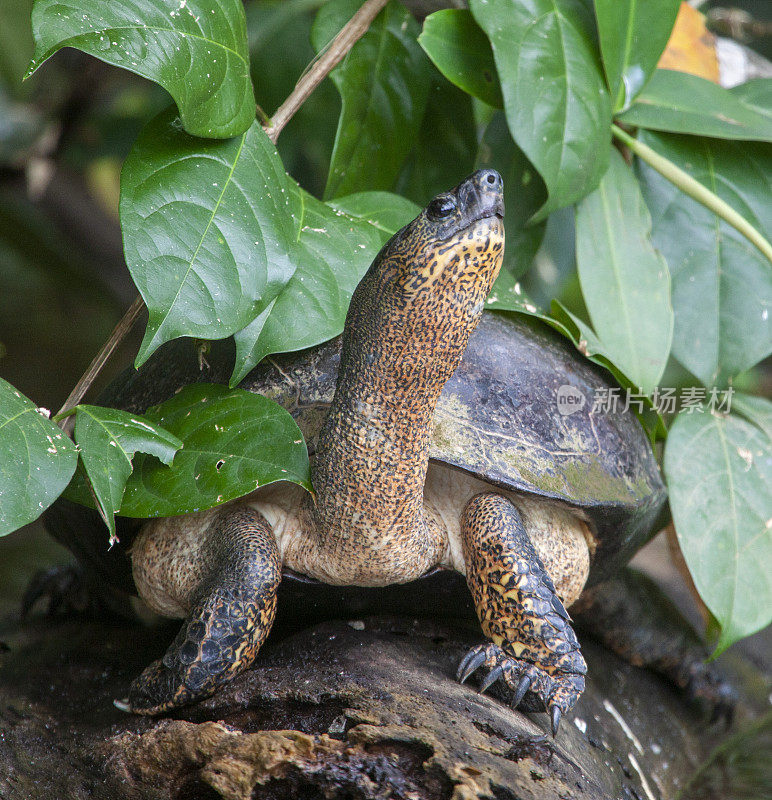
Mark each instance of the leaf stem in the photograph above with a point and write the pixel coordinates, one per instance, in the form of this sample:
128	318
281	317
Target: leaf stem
348	36
694	189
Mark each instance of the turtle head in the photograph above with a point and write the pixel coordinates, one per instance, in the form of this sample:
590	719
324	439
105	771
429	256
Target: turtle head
455	214
425	291
453	248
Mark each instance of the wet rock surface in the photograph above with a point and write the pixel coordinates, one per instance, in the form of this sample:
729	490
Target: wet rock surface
360	709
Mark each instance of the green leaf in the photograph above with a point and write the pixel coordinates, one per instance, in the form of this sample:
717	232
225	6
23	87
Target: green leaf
36	460
384	211
587	343
555	95
719	475
383	83
107	439
444	152
681	103
234	442
524	194
633	36
462	53
333	253
196	50
721	284
208	230
507	295
625	282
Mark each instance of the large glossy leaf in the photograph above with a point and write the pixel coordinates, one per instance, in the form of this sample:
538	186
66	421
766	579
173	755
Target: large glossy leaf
383	83
508	295
234	442
625	282
36	460
196	50
682	103
386	212
524	194
462	53
444	153
207	230
334	250
555	95
108	439
721	284
633	35
719	475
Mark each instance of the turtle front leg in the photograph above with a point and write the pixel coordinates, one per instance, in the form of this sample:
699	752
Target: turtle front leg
227	575
533	648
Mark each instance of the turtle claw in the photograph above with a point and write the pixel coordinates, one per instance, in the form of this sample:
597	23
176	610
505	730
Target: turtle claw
123	705
555	692
522	688
490	679
555	715
470	663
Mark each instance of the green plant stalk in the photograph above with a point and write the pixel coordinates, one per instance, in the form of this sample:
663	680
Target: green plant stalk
694	189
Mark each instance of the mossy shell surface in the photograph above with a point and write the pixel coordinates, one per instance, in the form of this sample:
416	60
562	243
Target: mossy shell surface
498	418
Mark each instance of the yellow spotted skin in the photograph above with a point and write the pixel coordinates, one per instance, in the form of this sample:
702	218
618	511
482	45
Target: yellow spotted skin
533	648
368	522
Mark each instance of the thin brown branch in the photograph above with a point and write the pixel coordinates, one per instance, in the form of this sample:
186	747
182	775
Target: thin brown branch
348	36
116	337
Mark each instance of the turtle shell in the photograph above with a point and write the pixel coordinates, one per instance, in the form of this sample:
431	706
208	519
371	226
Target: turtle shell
498	419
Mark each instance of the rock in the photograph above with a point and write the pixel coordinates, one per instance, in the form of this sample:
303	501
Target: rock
335	711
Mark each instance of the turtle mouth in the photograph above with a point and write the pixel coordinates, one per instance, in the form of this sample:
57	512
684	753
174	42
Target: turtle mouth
483	214
488	207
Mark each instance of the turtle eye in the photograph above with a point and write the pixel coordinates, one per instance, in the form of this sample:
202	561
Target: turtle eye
440	208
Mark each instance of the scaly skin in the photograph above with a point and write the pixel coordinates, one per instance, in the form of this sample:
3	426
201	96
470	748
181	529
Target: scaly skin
230	615
533	648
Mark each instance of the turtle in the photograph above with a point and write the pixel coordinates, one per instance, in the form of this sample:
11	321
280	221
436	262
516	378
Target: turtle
438	448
